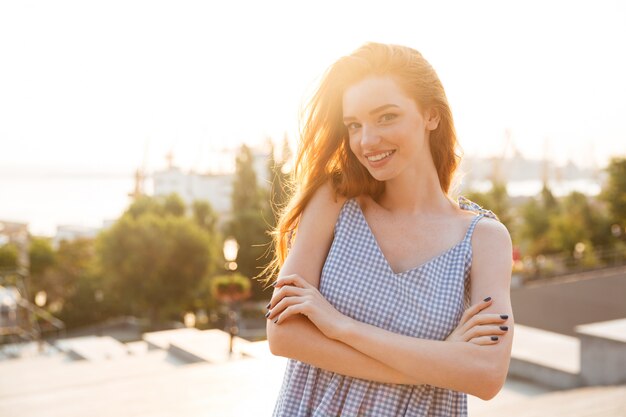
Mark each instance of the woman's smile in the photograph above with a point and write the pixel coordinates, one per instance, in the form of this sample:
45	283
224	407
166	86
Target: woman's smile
379	159
386	128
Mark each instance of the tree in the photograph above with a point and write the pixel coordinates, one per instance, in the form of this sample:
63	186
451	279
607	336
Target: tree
249	225
204	216
41	255
578	222
536	215
171	204
74	285
614	191
496	200
153	258
8	256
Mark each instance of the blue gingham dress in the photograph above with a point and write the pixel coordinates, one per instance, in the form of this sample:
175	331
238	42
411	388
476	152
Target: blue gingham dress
425	302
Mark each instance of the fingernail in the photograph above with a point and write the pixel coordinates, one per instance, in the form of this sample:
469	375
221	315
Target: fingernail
268	305
274	283
504	327
276	320
494	338
267	314
504	316
487	299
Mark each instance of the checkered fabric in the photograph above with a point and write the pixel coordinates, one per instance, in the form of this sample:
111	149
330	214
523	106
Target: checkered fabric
424	302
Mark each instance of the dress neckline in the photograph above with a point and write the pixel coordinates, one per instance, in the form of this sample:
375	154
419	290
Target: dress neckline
415	268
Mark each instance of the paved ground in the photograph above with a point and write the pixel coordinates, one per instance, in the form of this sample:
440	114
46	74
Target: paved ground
156	384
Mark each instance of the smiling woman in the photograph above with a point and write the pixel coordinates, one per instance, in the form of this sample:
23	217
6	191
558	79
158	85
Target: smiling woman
391	299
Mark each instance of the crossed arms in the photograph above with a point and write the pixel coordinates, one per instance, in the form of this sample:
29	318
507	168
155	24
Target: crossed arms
363	351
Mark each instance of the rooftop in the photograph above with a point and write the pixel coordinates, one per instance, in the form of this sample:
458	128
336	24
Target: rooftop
152	380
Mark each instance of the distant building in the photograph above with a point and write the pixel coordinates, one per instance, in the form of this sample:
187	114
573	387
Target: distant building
70	233
217	189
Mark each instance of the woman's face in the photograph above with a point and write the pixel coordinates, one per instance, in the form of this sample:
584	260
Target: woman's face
388	132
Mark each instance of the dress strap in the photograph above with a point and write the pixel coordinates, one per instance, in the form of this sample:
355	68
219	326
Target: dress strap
470	229
468	204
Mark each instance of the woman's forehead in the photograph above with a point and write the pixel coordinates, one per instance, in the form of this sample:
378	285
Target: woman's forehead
372	93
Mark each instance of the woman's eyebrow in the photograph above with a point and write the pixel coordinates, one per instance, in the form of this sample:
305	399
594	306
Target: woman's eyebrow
376	110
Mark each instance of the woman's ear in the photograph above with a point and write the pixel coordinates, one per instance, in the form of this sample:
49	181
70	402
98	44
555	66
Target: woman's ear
432	119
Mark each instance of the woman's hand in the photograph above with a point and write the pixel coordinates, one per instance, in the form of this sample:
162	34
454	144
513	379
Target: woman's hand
294	295
480	329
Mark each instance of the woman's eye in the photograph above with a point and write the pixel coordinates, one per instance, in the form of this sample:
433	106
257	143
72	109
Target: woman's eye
352	126
388	116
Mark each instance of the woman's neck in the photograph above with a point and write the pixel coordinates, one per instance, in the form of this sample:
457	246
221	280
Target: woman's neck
415	191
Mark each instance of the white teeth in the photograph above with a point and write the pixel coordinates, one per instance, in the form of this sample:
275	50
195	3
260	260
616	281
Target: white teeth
380	156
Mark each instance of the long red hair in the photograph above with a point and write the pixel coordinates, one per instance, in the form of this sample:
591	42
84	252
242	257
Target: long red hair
324	153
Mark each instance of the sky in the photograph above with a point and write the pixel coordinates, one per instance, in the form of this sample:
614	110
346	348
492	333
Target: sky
92	90
106	86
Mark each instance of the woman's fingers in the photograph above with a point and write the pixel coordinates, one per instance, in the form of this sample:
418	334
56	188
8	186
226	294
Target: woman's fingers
479	319
485	340
282	292
287	307
282	305
485	330
293	279
475	309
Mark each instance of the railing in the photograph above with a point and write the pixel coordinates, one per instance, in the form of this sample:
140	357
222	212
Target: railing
46	322
24	321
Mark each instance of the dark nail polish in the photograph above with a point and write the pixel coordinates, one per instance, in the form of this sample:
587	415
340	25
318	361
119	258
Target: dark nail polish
276	320
268	305
494	338
504	327
487	299
504	316
267	314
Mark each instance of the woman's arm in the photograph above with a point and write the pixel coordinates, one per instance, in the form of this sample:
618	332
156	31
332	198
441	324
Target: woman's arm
298	338
478	370
301	340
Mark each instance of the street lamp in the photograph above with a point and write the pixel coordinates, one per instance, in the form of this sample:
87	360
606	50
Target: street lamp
231	248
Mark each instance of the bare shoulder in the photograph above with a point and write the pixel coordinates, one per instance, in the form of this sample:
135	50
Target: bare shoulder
490	233
324	204
314	235
492	256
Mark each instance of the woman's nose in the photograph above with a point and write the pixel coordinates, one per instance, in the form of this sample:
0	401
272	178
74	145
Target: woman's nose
369	136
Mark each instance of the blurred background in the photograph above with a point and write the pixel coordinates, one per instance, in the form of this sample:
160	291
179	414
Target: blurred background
144	147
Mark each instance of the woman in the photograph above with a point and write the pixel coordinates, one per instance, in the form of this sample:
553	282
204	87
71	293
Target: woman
378	265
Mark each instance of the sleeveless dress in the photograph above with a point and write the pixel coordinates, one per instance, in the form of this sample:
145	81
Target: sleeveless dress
425	302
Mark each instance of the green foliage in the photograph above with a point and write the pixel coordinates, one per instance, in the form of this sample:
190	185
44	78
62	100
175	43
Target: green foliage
8	256
174	205
73	284
577	221
496	200
535	225
249	224
153	262
614	191
161	206
41	255
147	264
204	215
247	195
70	279
230	287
